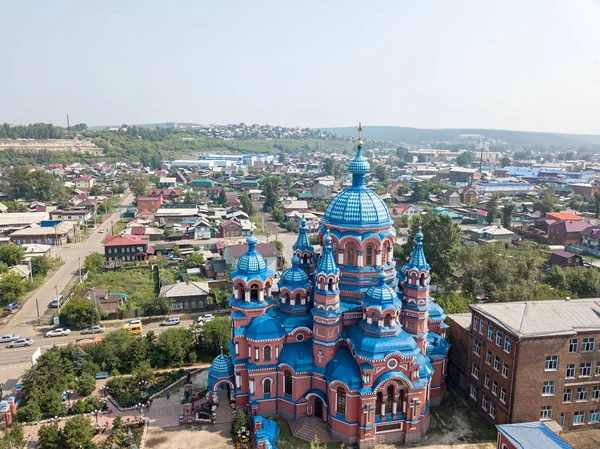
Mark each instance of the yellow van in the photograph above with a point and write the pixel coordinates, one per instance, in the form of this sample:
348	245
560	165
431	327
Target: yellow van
134	327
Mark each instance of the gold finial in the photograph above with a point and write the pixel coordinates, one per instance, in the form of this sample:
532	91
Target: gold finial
360	141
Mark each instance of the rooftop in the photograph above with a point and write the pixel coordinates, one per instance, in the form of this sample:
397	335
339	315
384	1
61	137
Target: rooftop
528	319
123	240
184	289
532	435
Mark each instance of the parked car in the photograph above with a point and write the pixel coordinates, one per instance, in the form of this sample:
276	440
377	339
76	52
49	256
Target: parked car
59	332
202	320
21	342
173	321
56	302
132	322
97	329
9	337
12	306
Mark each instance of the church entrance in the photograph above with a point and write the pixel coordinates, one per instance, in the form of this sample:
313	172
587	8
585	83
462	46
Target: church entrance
318	408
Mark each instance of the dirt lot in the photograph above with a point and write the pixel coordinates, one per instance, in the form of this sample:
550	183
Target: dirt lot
584	439
190	437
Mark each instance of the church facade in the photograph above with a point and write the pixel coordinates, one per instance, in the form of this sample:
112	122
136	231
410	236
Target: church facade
351	340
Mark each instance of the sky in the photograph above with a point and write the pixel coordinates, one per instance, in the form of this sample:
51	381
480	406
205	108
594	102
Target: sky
505	64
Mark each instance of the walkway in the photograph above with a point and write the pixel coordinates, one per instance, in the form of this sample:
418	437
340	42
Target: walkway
224	410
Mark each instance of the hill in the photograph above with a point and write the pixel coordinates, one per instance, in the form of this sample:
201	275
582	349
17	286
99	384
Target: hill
413	136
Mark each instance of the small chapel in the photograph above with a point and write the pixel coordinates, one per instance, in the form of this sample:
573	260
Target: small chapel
351	340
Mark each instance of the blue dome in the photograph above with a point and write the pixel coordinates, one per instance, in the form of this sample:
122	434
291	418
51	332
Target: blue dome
221	366
357	207
264	327
293	276
377	347
327	263
252	262
381	295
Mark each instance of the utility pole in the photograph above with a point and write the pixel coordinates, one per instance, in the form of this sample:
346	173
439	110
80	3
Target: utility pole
79	257
68	124
112	227
37	306
95	306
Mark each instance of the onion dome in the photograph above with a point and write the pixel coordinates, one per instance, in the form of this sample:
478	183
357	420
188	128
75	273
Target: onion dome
252	264
302	243
327	263
357	206
221	366
435	311
417	257
382	295
264	327
295	276
378	346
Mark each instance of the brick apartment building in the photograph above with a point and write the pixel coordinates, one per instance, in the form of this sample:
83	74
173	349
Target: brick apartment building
530	361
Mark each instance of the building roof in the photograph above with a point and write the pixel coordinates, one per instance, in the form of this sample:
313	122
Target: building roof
569	226
264	327
124	240
265	249
62	227
184	289
462	319
528	319
563	216
532	435
22	218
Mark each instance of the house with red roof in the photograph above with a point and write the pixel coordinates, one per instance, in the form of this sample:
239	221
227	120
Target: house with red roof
404	209
127	248
149	203
566	232
84	182
230	228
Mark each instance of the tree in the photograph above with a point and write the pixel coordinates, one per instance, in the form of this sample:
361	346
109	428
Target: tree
86	384
278	215
319	206
246	204
139	184
293	193
50	437
195	260
80	312
492	209
78	433
14	437
176	251
454	302
270	186
381	172
216	334
143	372
222	197
96	190
441	242
11	254
29	412
218	297
596	199
174	345
11	288
549	201
158	305
40	266
329	166
504	162
93	262
507	214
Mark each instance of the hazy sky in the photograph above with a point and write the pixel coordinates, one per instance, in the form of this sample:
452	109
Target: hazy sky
509	64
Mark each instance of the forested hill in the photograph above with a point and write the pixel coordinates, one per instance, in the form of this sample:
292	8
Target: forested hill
413	136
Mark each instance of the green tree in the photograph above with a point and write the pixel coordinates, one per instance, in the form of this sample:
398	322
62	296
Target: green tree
143	372
493	209
29	412
548	201
96	190
222	197
246	204
319	206
504	162
216	334
86	384
40	265
441	242
329	166
93	262
11	288
278	215
195	260
271	186
507	213
174	345
157	305
454	302
596	200
118	350
50	437
11	254
78	433
14	437
218	297
293	193
139	185
381	173
80	312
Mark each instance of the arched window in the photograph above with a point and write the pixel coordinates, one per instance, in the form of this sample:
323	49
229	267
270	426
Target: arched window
305	259
267	386
267	353
286	298
386	320
350	255
401	400
386	250
297	298
378	402
369	257
288	382
422	280
330	285
390	399
254	292
341	401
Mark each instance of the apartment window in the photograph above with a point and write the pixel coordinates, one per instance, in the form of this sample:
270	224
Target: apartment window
567	395
481	326
594	416
546	412
562	419
496	363
585	369
551	363
548	388
597	368
495	388
596	393
484	402
475	371
488	357
588	344
498	338
505	369
487	381
477	347
475	324
573	345
570	371
578	417
507	345
490	333
473	392
492	409
582	394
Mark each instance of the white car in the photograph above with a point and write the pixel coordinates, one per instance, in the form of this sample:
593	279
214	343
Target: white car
9	337
60	332
20	342
132	322
173	321
97	329
202	320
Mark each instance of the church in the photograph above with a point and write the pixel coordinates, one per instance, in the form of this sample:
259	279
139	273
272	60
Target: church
351	340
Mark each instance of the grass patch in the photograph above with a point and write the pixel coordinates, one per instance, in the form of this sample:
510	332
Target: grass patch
120	226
